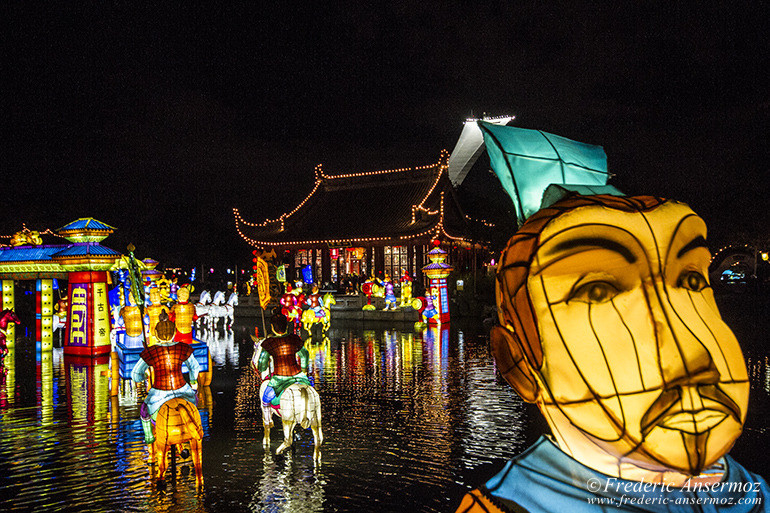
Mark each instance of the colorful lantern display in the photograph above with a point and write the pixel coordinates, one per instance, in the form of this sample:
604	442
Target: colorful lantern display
134	324
88	330
370	288
319	309
437	309
8	303
390	293
183	314
307	274
263	283
288	303
406	290
60	317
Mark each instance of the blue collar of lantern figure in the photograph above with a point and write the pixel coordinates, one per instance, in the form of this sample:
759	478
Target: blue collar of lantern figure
544	478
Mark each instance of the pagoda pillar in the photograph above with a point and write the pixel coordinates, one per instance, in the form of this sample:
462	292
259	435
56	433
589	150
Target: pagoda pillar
409	260
290	272
369	261
326	265
8	303
379	261
44	314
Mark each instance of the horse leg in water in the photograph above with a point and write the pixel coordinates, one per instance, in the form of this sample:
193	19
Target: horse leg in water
197	457
318	435
267	415
267	423
160	450
288	433
266	438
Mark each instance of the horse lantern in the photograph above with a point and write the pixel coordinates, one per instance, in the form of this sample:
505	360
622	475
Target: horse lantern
224	311
178	422
202	308
300	404
309	316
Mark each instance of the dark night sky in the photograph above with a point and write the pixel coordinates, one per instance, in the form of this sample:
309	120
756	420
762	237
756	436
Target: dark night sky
159	120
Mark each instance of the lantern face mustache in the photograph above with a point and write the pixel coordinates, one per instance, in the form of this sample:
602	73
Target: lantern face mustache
635	356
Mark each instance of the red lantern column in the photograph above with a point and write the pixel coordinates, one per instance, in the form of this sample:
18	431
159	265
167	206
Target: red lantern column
88	332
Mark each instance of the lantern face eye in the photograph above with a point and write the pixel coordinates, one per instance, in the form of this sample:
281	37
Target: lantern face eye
636	357
692	280
595	292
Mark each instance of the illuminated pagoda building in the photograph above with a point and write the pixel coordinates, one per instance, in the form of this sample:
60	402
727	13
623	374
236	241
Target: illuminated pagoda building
84	262
370	223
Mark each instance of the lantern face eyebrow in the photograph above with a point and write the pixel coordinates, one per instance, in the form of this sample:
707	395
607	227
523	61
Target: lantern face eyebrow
636	358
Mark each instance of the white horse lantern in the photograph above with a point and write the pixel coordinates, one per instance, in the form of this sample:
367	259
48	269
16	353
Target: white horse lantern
300	404
202	308
225	311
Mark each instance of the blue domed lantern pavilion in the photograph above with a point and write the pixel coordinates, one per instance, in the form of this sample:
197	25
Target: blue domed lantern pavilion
84	263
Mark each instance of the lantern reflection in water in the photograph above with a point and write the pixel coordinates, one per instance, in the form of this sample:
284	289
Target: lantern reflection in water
87	381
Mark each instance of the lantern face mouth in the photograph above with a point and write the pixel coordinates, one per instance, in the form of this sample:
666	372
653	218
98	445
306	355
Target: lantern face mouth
635	356
692	421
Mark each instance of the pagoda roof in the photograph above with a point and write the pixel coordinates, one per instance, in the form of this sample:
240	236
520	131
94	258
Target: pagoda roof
28	253
86	223
86	249
365	208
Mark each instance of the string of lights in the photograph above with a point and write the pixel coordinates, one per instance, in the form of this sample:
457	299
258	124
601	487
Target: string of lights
442	167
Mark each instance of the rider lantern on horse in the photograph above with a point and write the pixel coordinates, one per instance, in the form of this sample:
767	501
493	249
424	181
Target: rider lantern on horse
284	349
166	358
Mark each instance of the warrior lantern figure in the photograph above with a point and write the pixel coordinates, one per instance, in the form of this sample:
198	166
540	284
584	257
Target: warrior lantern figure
290	360
133	322
166	358
183	314
153	314
315	302
406	290
390	294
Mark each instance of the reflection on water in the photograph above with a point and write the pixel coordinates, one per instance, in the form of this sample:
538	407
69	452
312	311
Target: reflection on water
411	420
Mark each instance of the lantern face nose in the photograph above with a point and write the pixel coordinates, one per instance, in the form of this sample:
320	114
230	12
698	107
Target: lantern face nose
635	356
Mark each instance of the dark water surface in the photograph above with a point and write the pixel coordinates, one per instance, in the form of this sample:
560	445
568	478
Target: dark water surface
411	421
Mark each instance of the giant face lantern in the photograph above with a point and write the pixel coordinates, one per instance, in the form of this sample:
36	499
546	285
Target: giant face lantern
610	326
